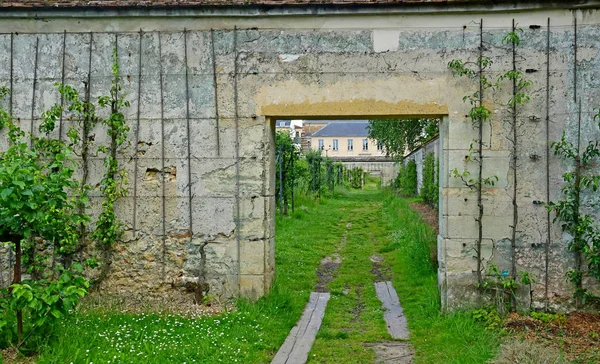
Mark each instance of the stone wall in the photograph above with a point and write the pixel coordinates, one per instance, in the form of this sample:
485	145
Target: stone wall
419	155
292	67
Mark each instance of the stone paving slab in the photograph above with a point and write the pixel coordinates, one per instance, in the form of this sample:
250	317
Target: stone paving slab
393	313
296	347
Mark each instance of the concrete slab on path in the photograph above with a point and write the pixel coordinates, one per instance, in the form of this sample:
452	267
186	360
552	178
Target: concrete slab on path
297	345
393	314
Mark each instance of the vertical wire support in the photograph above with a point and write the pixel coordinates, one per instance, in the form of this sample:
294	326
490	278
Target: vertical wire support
279	161
10	107
293	180
117	59
237	155
514	162
162	157
578	257
62	82
137	136
548	221
35	70
480	167
10	100
575	57
85	138
216	91
89	75
189	148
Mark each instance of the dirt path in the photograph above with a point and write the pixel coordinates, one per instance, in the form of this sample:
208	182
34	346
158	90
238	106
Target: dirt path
353	329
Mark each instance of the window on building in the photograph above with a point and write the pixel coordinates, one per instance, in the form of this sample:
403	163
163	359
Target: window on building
379	146
321	144
282	123
350	145
365	145
335	144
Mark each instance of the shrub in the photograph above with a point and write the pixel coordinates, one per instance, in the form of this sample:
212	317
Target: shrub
430	189
407	179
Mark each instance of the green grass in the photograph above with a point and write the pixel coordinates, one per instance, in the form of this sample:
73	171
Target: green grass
437	337
252	334
381	223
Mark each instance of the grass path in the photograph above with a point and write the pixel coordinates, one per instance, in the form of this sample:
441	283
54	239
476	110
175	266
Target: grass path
373	222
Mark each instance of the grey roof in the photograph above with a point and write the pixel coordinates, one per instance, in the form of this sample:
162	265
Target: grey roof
283	123
330	121
354	128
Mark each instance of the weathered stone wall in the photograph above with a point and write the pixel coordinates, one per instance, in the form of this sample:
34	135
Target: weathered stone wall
302	67
419	157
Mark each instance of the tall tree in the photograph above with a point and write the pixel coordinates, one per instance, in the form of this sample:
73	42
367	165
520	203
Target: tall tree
397	136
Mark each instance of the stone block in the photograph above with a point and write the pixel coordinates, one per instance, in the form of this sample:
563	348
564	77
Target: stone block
214	216
252	254
252	286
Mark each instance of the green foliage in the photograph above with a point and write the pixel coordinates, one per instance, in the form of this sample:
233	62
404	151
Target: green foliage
399	135
406	181
108	228
356	177
583	229
43	211
479	114
438	337
38	215
501	286
430	189
287	168
558	319
489	318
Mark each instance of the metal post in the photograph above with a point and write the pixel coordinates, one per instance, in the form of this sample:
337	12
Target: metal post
237	156
162	158
187	117
281	163
137	135
216	90
480	167
62	82
575	57
548	221
35	69
10	107
293	178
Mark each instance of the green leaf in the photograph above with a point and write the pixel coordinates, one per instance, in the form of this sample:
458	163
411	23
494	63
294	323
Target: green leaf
6	192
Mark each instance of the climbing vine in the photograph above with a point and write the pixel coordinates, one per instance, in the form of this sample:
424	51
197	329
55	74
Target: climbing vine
583	229
108	228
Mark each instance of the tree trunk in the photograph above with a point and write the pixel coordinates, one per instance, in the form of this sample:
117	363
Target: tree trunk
17	280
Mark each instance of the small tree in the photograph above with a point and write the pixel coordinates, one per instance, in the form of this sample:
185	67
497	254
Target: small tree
39	220
407	179
429	191
287	155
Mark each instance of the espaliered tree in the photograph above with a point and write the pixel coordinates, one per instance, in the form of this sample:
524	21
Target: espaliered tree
108	228
287	155
38	215
43	215
583	229
502	284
